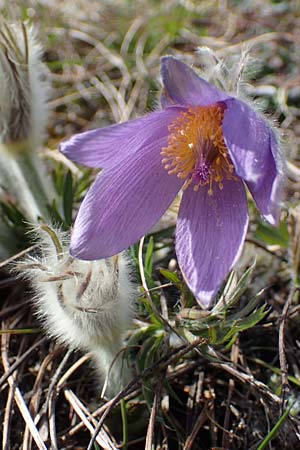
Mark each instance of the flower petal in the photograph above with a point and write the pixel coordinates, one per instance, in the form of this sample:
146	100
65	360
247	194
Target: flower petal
273	205
254	151
103	147
125	201
210	233
182	86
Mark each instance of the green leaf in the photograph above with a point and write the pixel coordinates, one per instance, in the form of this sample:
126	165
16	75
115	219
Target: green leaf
172	276
134	249
55	215
172	393
273	432
237	326
250	306
68	197
212	334
276	370
149	351
124	423
13	214
149	257
83	183
273	236
233	290
21	331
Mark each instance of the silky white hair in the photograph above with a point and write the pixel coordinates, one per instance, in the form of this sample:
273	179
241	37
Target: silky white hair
24	88
86	305
230	73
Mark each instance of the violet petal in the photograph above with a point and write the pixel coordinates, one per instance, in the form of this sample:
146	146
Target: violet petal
210	233
103	147
125	201
277	187
182	86
254	152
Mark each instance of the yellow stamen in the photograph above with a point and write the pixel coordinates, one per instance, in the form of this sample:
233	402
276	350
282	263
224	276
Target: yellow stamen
196	150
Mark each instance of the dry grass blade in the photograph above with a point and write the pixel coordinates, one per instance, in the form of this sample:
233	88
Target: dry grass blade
109	406
139	53
8	415
137	23
261	39
28	420
19	398
231	386
61	101
249	379
18	256
92	417
110	93
115	59
202	418
281	349
72	369
157	51
102	438
36	397
161	365
51	397
19	361
150	431
133	98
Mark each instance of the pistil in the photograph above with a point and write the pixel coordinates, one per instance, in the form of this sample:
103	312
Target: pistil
196	150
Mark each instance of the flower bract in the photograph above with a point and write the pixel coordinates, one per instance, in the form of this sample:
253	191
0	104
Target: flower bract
205	142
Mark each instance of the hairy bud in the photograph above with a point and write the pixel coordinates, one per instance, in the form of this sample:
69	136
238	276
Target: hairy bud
86	305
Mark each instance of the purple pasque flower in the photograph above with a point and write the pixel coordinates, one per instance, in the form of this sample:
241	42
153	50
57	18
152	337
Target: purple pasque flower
203	141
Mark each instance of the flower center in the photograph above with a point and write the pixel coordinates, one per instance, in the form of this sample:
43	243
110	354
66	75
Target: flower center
196	150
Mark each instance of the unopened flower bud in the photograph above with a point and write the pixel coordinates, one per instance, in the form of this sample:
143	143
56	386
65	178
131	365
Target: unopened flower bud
23	98
86	305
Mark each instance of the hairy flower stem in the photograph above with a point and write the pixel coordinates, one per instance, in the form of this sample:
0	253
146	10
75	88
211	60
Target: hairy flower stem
24	178
24	91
